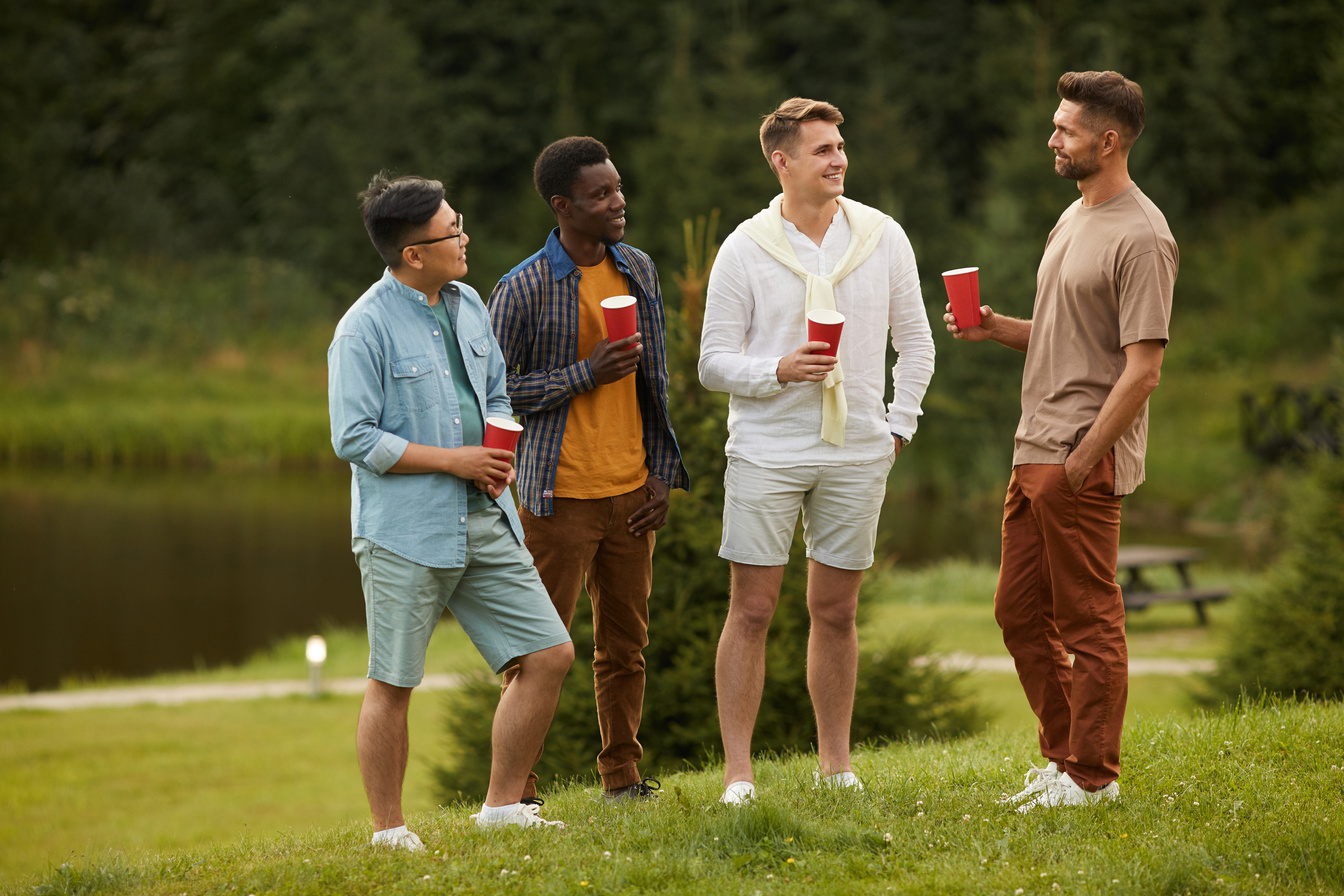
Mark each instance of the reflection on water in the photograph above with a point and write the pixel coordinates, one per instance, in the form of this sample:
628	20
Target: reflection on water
133	573
128	574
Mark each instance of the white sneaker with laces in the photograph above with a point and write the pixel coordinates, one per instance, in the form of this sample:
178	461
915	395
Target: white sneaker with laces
1036	780
1063	792
738	793
839	781
398	838
524	815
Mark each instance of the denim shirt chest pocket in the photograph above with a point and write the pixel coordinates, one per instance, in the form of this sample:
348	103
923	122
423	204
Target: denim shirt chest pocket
413	383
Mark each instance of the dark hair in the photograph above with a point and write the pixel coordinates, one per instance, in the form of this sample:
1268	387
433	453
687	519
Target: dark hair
779	129
558	166
1109	101
395	209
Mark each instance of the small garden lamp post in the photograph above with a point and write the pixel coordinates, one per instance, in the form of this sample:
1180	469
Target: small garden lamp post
316	651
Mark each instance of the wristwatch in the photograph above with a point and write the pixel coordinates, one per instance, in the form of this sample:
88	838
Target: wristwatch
904	440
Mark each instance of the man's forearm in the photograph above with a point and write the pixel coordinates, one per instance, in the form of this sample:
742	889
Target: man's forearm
1143	366
1012	332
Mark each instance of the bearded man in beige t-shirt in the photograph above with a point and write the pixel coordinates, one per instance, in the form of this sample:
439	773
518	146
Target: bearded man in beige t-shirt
1094	347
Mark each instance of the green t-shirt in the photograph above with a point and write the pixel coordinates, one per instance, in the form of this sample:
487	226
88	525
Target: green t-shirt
469	408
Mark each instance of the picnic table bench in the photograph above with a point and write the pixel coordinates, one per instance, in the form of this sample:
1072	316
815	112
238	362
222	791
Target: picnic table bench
1138	593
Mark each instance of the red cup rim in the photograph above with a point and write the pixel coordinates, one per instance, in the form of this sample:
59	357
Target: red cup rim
503	423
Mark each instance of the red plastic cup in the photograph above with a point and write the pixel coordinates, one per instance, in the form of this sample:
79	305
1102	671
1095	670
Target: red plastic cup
501	432
619	312
825	326
963	290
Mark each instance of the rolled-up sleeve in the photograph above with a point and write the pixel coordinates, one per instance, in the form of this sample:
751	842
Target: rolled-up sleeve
355	398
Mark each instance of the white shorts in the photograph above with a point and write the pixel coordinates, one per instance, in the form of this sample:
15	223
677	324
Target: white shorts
840	506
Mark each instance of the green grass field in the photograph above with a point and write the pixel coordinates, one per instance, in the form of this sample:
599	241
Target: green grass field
1245	801
79	786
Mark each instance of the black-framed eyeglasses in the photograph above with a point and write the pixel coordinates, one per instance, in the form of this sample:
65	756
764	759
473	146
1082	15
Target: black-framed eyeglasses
452	236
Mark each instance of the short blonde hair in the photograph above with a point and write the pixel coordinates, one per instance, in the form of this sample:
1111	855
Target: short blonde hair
779	129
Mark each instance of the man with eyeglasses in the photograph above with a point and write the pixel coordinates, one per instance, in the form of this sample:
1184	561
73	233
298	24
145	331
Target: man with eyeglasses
414	370
598	457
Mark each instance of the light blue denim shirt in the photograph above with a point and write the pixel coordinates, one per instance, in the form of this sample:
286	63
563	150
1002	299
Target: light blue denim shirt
389	385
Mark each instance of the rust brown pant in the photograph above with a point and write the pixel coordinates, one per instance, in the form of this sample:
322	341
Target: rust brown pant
585	542
1057	596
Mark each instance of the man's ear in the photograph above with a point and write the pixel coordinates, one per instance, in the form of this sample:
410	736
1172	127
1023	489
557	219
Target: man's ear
411	257
1110	141
560	205
780	161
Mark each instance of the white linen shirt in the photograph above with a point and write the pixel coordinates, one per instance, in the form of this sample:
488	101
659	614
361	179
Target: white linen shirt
755	315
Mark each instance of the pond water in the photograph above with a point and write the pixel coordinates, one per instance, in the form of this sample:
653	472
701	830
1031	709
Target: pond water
129	574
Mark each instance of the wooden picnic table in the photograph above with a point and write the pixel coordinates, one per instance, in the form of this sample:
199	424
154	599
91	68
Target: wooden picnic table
1136	559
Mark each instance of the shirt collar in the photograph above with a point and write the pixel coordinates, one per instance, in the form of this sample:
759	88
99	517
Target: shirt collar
562	265
396	287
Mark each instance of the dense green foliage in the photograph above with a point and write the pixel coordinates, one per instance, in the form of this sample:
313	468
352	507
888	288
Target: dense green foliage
1289	634
242	130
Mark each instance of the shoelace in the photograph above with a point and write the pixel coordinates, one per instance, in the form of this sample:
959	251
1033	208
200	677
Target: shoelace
533	811
1036	779
648	786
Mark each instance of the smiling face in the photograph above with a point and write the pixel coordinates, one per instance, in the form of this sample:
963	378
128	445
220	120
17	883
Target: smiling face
1077	149
595	208
813	169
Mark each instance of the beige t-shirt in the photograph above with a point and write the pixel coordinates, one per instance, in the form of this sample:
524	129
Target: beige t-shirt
1105	281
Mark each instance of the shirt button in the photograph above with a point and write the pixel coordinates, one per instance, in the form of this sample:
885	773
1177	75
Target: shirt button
415	370
455	420
461	519
436	332
445	373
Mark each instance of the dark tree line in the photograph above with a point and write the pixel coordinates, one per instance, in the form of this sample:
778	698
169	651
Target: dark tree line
190	126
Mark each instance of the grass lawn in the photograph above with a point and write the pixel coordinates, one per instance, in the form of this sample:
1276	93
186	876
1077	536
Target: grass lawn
1245	801
76	785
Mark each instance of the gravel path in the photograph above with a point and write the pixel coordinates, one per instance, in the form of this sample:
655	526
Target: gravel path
175	695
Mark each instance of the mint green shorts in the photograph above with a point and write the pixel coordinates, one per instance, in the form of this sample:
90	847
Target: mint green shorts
497	598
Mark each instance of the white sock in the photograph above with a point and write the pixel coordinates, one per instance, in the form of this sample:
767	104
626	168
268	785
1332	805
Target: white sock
390	835
498	813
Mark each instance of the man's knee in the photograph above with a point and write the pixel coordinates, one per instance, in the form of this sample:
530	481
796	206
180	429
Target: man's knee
752	611
840	616
551	662
382	694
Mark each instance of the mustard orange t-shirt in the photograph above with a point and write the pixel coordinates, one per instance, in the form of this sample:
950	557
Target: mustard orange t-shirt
602	450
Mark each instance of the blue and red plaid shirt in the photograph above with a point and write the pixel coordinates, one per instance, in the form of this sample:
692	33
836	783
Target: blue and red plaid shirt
534	311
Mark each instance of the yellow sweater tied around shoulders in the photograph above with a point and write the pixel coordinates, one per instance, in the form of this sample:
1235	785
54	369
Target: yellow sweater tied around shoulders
866	227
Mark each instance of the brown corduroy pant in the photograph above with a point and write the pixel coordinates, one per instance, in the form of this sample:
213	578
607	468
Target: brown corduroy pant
1057	596
585	542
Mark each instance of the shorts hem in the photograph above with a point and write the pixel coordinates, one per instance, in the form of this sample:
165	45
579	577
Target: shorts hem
750	559
399	682
499	664
841	562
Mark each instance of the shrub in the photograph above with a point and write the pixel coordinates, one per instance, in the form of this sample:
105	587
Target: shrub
1289	636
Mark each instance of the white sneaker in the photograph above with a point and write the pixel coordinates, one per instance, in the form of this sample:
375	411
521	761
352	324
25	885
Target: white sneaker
738	793
839	781
398	838
1036	780
1063	792
525	815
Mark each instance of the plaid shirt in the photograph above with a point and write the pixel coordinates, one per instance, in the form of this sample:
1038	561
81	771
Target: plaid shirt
535	314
